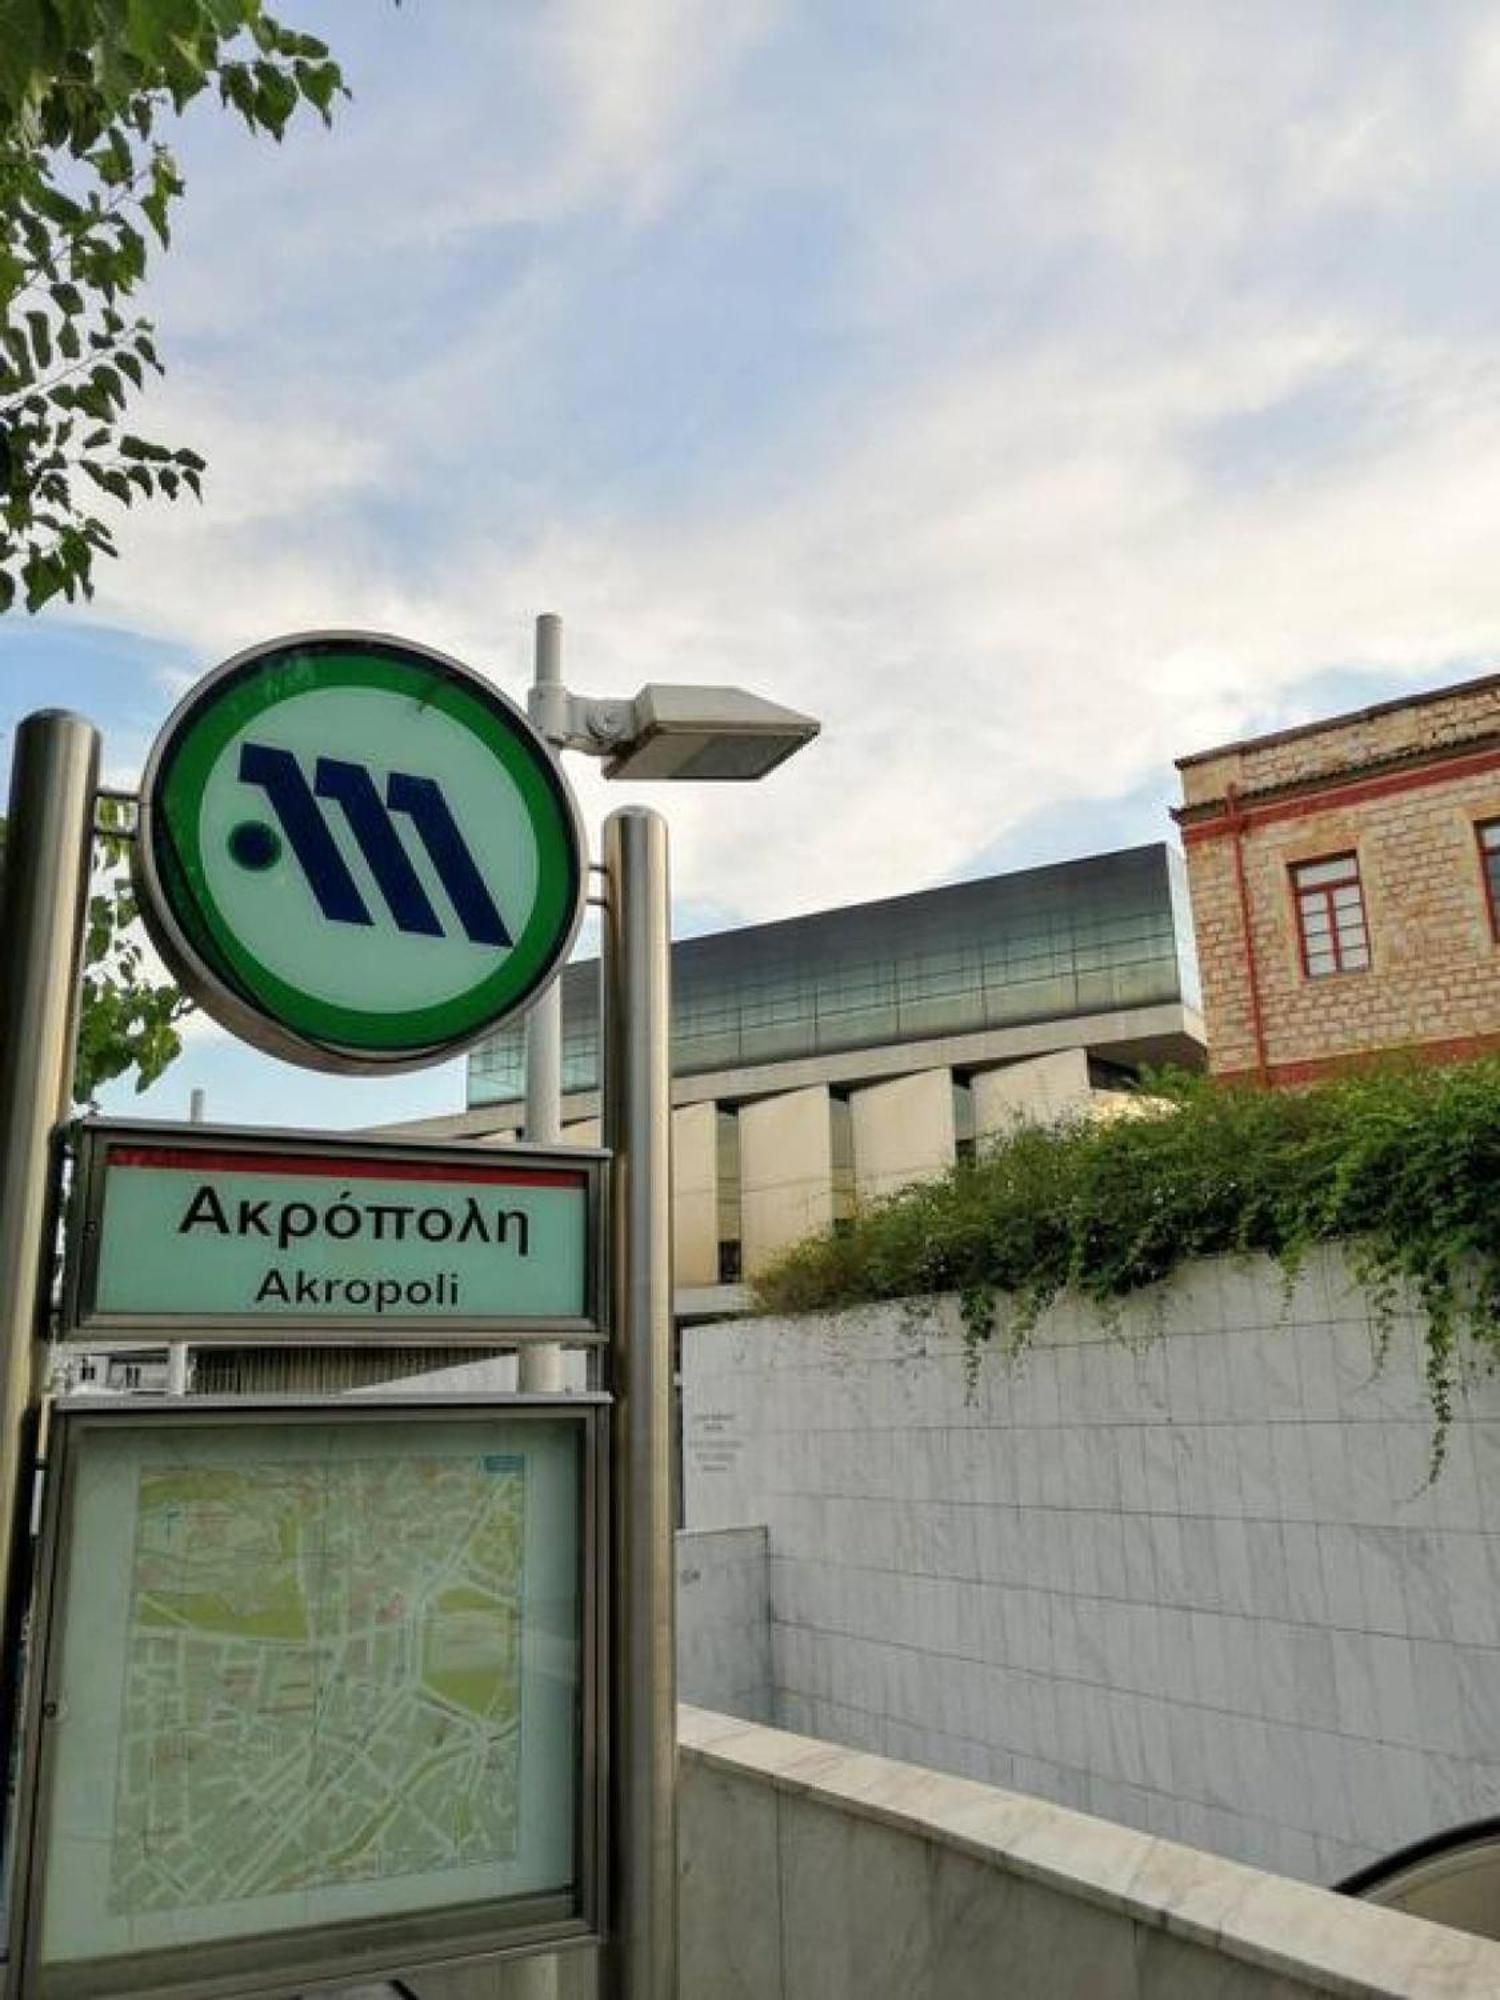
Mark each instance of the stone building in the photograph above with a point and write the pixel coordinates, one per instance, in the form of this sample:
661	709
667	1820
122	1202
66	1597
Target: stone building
1345	882
836	1057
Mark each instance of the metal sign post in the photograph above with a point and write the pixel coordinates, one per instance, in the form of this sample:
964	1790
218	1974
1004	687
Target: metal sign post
48	841
358	855
638	1129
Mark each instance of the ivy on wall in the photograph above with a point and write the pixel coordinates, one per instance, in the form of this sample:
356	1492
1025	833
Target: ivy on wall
1400	1165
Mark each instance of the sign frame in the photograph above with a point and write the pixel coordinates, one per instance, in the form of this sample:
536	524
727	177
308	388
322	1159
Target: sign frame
249	1016
363	1948
83	1322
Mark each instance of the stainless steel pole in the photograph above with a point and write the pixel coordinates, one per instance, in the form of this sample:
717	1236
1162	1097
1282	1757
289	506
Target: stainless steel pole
179	1366
643	1666
539	1368
48	841
541	1363
544	1022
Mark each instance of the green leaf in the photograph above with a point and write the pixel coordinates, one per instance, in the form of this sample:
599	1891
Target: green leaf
15	345
113	162
110	481
275	97
237	88
57	207
154	205
41	339
86	194
44	576
319	83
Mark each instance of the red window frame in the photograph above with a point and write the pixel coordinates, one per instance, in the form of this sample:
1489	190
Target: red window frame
1489	875
1320	898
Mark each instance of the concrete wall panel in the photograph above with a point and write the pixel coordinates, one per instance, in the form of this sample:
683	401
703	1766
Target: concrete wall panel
1039	1091
903	1132
786	1173
695	1194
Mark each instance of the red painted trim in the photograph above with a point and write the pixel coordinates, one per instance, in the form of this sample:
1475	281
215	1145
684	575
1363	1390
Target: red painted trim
1247	931
1457	1048
1484	874
1333	794
193	1159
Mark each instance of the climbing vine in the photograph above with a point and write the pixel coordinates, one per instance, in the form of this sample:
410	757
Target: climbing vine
1400	1164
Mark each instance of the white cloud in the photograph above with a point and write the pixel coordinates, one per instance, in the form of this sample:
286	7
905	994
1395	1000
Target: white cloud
1137	426
642	83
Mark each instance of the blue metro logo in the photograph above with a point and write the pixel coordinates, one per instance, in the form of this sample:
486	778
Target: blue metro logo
350	787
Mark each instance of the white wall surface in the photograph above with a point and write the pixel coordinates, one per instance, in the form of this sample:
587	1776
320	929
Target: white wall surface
724	1622
1197	1584
808	1873
815	1874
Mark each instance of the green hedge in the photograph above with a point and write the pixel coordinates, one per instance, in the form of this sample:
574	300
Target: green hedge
1399	1164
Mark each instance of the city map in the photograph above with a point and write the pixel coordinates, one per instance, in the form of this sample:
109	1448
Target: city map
323	1676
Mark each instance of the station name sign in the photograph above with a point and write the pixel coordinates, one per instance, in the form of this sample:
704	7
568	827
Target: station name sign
192	1233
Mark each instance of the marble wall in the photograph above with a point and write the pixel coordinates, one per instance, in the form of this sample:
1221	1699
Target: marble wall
724	1622
1192	1578
817	1874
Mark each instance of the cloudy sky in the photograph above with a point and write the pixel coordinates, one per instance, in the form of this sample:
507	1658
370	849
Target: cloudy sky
1031	389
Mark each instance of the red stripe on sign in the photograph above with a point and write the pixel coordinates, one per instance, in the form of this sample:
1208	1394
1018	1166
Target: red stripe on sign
195	1159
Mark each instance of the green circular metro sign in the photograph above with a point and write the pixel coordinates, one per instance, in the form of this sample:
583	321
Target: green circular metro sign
356	853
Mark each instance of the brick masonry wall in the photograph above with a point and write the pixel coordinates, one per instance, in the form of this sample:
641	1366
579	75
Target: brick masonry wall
1435	975
1197	1583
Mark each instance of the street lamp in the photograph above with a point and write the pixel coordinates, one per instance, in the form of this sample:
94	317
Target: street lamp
705	733
716	733
666	731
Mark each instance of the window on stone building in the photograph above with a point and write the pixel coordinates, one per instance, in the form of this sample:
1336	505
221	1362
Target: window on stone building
1331	916
1489	852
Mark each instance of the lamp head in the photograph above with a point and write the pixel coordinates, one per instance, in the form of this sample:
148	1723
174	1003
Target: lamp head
705	733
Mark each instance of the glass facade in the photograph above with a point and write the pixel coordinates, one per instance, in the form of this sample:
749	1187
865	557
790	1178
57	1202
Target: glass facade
1080	937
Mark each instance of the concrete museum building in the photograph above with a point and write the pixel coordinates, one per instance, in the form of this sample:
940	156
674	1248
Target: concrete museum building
834	1057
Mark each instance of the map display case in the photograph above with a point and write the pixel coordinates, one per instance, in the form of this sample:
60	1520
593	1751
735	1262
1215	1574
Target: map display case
316	1689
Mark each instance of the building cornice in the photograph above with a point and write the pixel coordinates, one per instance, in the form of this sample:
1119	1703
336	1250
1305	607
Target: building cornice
1300	731
1374	778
